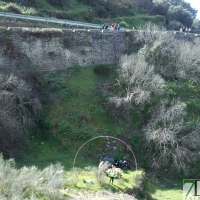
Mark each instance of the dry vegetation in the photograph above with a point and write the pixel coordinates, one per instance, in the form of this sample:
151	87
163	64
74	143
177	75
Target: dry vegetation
166	135
18	111
143	79
30	182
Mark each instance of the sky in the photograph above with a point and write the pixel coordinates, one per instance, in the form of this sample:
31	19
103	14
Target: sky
195	4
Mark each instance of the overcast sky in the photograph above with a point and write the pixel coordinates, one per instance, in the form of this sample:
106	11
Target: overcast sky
195	4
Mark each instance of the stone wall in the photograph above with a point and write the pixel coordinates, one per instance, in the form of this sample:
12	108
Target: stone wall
52	49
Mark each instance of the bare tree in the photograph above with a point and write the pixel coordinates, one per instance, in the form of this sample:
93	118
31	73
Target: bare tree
172	57
139	78
18	109
187	62
150	32
138	82
166	135
152	28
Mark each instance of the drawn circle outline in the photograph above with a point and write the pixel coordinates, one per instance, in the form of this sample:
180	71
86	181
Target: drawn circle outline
103	137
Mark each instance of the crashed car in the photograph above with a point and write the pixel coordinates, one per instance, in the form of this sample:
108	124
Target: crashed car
123	164
110	160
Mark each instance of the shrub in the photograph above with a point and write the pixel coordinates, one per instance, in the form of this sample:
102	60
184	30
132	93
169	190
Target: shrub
29	182
105	10
59	2
139	78
65	128
173	58
181	15
174	25
160	7
102	70
124	24
13	8
18	109
171	141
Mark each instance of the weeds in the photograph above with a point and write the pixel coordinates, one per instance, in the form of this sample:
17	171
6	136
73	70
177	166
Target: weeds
29	182
102	70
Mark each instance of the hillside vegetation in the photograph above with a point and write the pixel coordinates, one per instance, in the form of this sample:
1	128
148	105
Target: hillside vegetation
89	11
82	103
57	126
150	101
169	13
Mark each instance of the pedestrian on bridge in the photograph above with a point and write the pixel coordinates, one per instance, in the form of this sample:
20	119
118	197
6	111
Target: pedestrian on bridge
118	27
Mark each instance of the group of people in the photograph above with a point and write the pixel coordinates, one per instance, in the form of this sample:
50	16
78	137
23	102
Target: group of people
113	26
104	26
111	171
185	29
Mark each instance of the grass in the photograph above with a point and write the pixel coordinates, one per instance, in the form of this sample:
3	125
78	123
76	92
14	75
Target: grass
73	115
159	189
119	185
161	193
82	103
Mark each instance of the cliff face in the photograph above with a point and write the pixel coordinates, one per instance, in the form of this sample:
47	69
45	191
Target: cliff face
55	49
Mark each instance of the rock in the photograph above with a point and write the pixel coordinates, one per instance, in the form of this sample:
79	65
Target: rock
88	181
88	168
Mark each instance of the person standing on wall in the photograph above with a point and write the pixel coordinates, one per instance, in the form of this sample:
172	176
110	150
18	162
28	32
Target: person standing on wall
115	26
118	27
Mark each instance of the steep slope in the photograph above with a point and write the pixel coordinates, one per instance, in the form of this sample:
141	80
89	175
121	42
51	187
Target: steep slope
127	13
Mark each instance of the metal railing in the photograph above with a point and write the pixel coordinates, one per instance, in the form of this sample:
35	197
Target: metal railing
51	20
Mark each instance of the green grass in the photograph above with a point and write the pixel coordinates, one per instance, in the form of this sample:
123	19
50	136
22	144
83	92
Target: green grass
73	115
136	21
161	193
119	185
42	153
160	189
82	103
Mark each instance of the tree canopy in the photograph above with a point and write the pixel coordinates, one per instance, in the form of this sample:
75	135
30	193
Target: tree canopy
175	10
